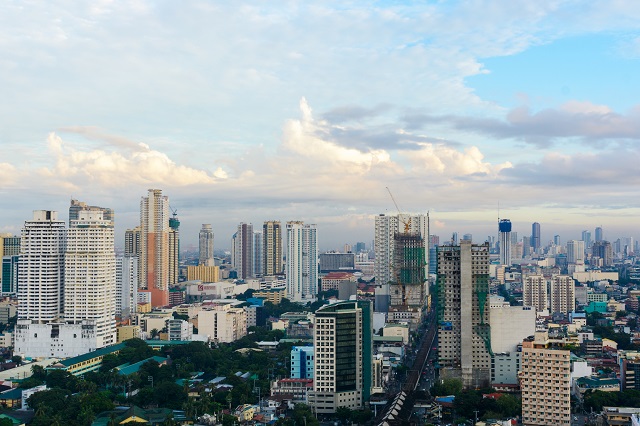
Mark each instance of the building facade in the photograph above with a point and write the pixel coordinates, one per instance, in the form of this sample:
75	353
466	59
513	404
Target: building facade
126	285
504	228
90	275
545	381
342	340
302	362
534	292
386	227
464	335
243	251
563	294
205	246
535	237
154	246
272	248
302	261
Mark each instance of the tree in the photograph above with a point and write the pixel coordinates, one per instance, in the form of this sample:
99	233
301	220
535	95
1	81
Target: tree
446	387
38	372
17	359
344	414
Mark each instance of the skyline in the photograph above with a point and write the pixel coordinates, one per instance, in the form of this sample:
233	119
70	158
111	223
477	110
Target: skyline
309	111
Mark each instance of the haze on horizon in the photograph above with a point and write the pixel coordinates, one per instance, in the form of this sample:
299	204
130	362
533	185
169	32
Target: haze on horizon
308	110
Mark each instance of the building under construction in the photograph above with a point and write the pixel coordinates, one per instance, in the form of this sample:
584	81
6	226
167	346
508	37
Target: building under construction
408	290
464	334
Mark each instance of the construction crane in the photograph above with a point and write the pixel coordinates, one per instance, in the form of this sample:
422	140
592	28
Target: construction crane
406	222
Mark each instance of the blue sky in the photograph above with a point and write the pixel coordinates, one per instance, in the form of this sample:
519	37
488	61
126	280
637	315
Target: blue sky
249	111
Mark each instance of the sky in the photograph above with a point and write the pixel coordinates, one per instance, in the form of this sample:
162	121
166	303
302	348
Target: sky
301	110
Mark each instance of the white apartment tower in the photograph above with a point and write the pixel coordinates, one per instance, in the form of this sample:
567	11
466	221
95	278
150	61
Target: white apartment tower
575	252
302	261
463	296
386	226
563	294
41	268
126	285
90	275
205	239
154	246
534	292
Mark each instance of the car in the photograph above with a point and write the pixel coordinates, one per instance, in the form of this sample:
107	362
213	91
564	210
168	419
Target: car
575	418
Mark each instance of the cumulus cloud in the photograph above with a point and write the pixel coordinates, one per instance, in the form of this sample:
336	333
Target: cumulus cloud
112	169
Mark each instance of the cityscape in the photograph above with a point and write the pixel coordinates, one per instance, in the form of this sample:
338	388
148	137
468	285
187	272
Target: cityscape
319	213
412	328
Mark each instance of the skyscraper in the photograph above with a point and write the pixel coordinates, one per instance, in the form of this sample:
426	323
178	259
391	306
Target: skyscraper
599	234
90	275
205	239
257	254
407	289
342	341
586	237
174	249
302	261
272	247
41	269
386	227
603	251
535	236
243	259
575	252
126	285
154	246
66	287
504	226
464	349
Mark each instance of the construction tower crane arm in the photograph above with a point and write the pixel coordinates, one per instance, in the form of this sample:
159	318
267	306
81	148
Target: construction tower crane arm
407	222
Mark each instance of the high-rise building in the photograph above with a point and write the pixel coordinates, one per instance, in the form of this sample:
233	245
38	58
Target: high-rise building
464	336
545	380
586	237
408	289
556	240
66	285
333	262
603	251
534	292
205	239
41	268
258	246
154	246
535	237
563	294
575	252
599	234
126	285
342	341
467	237
526	246
10	275
243	251
386	226
90	275
504	226
174	250
302	261
272	248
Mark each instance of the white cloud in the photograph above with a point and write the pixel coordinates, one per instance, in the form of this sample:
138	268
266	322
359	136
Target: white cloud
112	169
